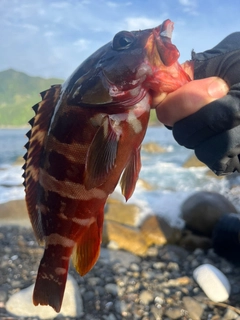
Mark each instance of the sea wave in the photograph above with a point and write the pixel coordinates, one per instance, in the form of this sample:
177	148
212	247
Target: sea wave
169	182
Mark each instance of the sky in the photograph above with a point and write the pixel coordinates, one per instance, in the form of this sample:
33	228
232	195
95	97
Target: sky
50	38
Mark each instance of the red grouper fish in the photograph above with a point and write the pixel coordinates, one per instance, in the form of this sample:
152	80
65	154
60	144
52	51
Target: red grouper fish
85	136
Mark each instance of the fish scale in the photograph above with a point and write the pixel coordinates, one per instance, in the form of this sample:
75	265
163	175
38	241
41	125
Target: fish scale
86	137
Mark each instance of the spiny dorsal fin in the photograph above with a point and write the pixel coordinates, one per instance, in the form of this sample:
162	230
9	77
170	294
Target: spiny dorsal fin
40	125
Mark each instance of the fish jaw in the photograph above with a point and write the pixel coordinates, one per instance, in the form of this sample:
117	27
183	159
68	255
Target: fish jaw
166	75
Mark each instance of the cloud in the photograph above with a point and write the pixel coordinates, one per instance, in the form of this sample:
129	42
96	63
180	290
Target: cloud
115	4
82	44
136	23
189	6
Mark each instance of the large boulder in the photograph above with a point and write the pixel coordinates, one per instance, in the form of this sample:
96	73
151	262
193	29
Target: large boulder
157	231
153	147
193	161
202	210
119	236
118	211
14	212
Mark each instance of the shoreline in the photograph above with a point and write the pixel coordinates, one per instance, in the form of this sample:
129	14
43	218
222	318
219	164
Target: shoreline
9	127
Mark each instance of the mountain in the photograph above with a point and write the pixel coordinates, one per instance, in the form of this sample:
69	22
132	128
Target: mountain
18	93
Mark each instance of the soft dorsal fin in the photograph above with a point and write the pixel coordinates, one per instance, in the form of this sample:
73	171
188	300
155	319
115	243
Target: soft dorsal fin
130	174
102	154
40	125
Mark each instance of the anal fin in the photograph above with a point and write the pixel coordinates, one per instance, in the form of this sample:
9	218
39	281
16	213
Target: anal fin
87	250
130	174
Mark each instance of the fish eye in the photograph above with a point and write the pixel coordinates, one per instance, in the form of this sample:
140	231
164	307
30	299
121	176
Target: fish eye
122	40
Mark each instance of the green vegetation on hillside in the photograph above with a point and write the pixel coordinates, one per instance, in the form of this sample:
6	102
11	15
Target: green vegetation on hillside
19	92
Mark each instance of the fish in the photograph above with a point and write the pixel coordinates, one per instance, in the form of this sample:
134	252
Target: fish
85	138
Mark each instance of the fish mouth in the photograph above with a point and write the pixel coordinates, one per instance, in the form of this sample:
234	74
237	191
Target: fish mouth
167	51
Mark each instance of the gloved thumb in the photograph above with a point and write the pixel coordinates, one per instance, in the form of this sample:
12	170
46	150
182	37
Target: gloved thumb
190	98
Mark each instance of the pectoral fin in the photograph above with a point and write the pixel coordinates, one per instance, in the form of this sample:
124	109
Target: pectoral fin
101	155
130	174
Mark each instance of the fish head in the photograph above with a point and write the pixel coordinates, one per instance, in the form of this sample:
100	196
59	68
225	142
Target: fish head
124	70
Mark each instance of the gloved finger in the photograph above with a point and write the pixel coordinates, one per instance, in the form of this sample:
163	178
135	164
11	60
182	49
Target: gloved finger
220	152
190	98
216	117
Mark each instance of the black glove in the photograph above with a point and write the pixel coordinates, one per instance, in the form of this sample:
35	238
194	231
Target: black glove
214	131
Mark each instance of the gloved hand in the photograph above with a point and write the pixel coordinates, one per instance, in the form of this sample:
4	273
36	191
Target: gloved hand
214	130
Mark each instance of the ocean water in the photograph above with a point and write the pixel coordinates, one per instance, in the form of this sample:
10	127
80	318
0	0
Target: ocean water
170	183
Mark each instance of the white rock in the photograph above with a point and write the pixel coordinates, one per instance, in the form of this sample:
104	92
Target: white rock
213	282
20	303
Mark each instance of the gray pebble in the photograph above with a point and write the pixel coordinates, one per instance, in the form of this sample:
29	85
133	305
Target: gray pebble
112	288
111	316
134	267
3	295
230	315
193	307
93	281
174	313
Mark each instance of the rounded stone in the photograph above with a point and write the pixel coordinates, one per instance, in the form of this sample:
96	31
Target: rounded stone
213	282
202	210
112	288
146	297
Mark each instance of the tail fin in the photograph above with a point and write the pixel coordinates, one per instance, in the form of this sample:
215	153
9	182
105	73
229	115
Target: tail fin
86	251
51	281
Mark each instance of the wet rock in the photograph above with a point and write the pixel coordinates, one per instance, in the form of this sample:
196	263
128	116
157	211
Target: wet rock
111	316
152	232
20	303
193	161
194	308
14	212
110	257
192	241
146	297
157	231
230	315
173	312
203	209
152	147
117	211
112	288
124	237
173	253
145	185
182	281
225	237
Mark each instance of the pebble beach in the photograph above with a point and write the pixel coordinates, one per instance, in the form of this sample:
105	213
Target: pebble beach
159	286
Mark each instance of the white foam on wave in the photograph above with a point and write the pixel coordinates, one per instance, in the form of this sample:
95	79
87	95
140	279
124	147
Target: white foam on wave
13	193
11	176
